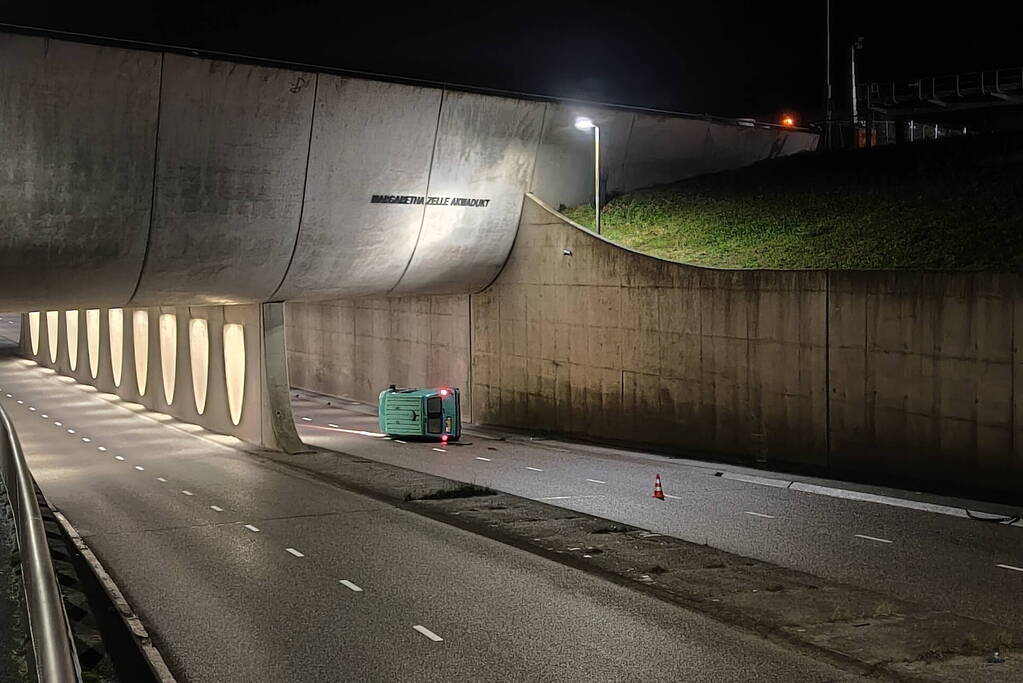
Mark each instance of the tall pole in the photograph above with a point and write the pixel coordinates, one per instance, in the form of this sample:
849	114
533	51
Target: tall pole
596	175
852	68
827	98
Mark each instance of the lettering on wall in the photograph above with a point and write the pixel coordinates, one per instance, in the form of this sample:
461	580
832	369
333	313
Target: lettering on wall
428	201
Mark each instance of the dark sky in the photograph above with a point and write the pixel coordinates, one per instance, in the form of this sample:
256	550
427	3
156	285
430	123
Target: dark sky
717	57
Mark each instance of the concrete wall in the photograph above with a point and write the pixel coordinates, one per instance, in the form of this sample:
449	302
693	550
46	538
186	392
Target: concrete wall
142	375
895	373
145	179
356	347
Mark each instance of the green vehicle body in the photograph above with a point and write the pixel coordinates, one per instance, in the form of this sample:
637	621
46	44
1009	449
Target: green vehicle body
432	414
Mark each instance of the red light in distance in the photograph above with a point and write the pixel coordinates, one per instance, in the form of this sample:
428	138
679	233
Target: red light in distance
443	392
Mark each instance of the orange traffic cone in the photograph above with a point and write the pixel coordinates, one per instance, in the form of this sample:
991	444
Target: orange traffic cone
658	493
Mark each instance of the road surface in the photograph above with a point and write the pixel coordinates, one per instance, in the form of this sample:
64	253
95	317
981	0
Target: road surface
247	571
941	560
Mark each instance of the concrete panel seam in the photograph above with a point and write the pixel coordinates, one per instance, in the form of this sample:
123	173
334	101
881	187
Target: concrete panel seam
305	184
429	176
152	200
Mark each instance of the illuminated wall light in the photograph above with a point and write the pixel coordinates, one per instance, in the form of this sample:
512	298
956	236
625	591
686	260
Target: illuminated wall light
199	352
33	331
115	319
234	368
168	353
52	322
71	327
92	340
140	340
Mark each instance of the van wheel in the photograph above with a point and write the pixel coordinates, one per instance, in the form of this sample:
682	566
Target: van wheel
454	438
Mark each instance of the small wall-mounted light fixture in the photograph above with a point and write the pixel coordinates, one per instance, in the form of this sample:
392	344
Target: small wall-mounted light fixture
566	252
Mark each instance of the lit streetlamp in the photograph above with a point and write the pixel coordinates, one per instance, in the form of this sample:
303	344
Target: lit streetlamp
586	123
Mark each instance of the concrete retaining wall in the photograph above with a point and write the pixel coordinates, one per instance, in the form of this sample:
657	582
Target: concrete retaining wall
902	374
138	178
159	366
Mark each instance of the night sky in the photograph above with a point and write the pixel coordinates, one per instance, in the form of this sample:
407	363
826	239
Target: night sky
724	58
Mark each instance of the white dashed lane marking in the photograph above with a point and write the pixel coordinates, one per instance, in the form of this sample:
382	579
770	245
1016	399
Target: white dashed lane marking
31	409
440	450
483	459
534	469
399	441
872	538
428	633
161	479
140	468
119	457
596	481
216	508
294	552
253	529
1009	566
70	431
59	424
348	584
307	419
86	439
668	495
20	402
758	514
101	449
187	493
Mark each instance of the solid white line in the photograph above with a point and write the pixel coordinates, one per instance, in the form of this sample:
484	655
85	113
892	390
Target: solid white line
253	529
872	538
883	500
216	508
119	457
428	633
1009	566
483	459
668	495
101	449
307	419
752	479
440	450
758	514
348	584
534	469
294	552
161	479
596	481
140	468
187	493
564	497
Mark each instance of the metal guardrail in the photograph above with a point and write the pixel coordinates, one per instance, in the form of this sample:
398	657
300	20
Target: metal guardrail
55	660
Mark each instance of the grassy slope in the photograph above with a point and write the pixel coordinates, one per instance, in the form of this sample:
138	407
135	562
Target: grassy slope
952	204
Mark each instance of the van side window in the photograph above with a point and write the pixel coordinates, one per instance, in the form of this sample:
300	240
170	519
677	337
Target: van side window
433	415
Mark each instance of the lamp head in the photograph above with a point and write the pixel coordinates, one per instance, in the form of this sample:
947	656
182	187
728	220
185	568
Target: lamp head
584	123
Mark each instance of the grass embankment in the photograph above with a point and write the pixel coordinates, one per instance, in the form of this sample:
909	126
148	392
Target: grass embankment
951	204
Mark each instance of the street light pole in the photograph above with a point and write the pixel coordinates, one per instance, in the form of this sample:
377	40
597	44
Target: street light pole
586	123
596	175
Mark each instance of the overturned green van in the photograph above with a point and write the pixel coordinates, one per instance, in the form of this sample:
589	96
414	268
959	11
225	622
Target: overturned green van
432	414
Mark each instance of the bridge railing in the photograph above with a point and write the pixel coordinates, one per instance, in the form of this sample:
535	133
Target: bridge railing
54	658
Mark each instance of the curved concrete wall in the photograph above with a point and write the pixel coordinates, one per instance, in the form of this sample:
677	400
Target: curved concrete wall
902	374
77	145
140	178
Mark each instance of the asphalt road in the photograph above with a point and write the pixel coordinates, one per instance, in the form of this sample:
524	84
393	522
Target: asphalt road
245	571
940	560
